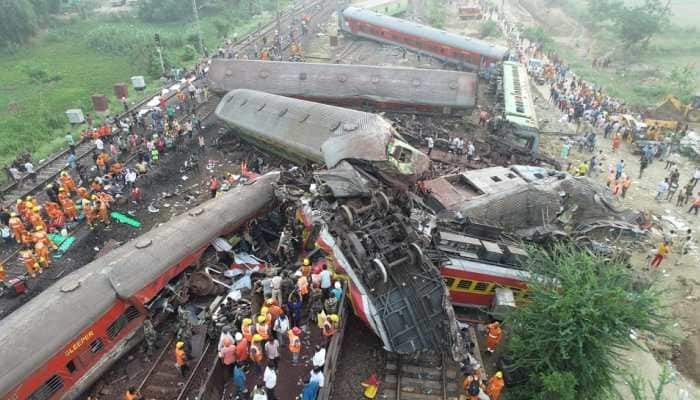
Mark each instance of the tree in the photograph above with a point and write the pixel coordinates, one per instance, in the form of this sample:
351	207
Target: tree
636	25
165	10
488	28
582	308
222	27
637	385
683	80
19	22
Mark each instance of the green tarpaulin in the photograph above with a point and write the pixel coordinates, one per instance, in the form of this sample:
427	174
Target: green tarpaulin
63	243
125	219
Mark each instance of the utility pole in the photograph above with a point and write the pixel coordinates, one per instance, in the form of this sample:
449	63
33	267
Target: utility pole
196	23
277	11
160	53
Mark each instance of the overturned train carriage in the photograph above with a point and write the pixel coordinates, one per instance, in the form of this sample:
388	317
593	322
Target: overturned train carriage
450	48
304	131
398	89
61	341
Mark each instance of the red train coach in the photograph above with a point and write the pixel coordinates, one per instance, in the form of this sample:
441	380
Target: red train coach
61	341
464	52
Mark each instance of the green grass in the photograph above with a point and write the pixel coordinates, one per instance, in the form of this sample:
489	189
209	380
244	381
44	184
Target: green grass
25	106
641	78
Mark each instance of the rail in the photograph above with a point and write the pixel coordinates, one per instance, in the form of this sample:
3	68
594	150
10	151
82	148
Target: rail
416	378
195	370
333	350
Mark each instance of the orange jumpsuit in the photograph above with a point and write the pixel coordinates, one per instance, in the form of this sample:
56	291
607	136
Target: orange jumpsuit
50	207
42	252
494	387
17	227
83	193
3	274
69	208
36	221
62	197
21	208
30	262
494	335
27	238
41	236
89	214
104	211
68	183
262	330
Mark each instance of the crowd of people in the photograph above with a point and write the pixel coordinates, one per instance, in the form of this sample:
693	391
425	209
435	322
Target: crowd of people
253	349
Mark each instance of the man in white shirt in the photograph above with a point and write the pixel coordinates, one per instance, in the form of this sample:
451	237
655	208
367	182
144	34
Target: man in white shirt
317	376
431	144
270	379
99	145
319	358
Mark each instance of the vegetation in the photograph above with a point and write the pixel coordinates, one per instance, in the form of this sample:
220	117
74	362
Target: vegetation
538	35
82	54
489	28
583	307
637	385
436	13
22	18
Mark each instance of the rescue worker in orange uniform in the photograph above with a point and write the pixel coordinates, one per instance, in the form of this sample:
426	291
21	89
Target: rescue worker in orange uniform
302	284
495	386
30	262
41	236
50	207
62	196
21	209
67	182
42	252
103	207
330	326
58	219
256	353
294	343
241	348
83	193
36	220
472	385
306	267
262	328
17	227
89	213
181	359
132	394
3	274
247	329
69	209
494	334
27	238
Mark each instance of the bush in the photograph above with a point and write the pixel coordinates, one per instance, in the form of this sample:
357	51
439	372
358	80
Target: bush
488	28
189	54
165	10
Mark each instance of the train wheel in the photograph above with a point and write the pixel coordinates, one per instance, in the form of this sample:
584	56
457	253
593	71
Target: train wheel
346	214
379	265
382	200
416	253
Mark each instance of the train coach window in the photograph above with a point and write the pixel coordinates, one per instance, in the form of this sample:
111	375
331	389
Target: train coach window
71	367
131	313
464	284
116	326
51	386
96	345
448	281
481	286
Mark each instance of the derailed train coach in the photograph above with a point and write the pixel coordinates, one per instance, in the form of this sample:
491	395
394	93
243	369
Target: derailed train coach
381	88
450	48
304	131
59	343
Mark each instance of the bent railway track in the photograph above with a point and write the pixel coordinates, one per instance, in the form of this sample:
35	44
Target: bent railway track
428	377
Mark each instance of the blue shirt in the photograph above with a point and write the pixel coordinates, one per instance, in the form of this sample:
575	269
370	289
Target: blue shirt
239	377
338	293
310	391
325	279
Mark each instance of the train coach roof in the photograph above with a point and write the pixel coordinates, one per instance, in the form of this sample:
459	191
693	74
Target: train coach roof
340	81
430	33
47	323
319	131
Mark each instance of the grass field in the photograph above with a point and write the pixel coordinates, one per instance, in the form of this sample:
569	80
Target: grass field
32	112
642	78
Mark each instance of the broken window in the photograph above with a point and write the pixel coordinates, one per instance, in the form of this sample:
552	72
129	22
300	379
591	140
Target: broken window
464	284
481	286
495	179
402	154
448	281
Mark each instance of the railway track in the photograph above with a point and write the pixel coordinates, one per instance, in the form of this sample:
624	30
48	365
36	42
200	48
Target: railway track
427	377
163	380
48	170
